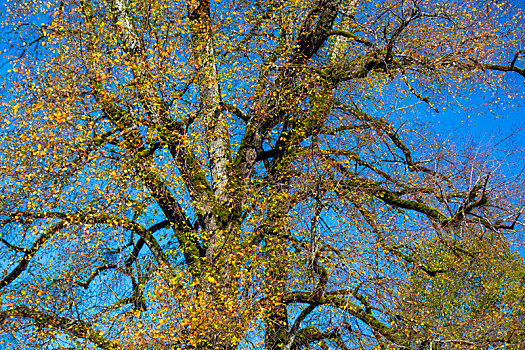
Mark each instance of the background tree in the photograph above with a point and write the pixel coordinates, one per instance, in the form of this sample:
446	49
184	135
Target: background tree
477	302
195	175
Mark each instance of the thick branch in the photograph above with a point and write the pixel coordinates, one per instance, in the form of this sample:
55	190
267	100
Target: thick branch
504	68
349	307
313	35
29	253
76	328
136	250
80	219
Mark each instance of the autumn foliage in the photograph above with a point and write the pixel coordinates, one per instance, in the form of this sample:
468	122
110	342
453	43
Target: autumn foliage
252	175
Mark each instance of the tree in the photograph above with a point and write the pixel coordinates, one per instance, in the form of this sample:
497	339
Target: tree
196	175
476	302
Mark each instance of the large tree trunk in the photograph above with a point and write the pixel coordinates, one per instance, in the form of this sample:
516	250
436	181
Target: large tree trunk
217	135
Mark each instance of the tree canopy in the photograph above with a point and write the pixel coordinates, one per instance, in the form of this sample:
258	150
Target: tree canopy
253	175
